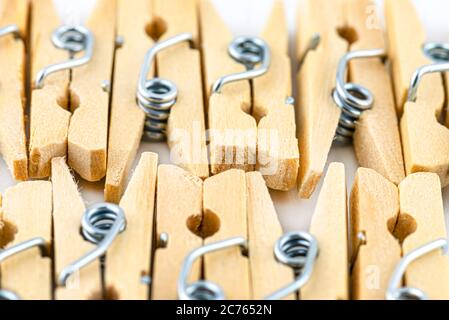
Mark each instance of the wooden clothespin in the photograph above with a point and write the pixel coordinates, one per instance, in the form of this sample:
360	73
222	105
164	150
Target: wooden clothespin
27	211
354	107
233	132
421	220
330	277
278	154
374	217
180	228
69	245
13	16
128	260
83	90
425	141
127	119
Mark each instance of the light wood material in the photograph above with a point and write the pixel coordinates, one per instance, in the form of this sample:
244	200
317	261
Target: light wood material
88	131
330	279
180	219
182	65
12	93
27	208
278	154
228	216
317	113
374	213
422	220
264	229
127	119
49	117
233	132
377	142
129	257
425	141
69	245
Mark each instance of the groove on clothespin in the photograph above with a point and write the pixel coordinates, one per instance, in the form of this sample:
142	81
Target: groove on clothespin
374	217
181	64
330	279
278	154
233	132
12	92
422	218
27	210
318	115
425	141
127	270
377	142
127	119
227	268
89	101
69	245
264	229
182	221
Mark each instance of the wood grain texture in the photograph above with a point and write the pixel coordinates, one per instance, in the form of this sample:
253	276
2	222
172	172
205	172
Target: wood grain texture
13	145
88	131
421	221
228	267
374	212
425	141
69	245
377	142
127	119
233	132
182	64
264	230
179	219
277	146
49	117
317	113
27	208
330	279
129	257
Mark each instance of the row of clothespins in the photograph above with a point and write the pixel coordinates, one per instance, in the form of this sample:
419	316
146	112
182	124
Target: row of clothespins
244	88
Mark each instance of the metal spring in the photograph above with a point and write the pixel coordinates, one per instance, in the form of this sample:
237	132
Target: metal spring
394	292
10	29
203	289
100	225
299	251
157	96
8	295
353	99
74	40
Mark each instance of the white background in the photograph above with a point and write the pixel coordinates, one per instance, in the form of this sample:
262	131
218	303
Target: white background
248	17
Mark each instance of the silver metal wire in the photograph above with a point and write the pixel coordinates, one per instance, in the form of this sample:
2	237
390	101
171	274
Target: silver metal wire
157	96
249	51
299	251
74	40
8	295
10	29
203	289
353	99
438	52
100	225
394	291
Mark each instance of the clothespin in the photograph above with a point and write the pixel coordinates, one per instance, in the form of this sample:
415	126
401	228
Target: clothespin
83	90
419	91
13	27
180	227
24	259
127	271
376	250
330	277
340	110
69	245
273	109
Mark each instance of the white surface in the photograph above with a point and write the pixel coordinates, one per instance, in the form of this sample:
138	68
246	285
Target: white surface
248	17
